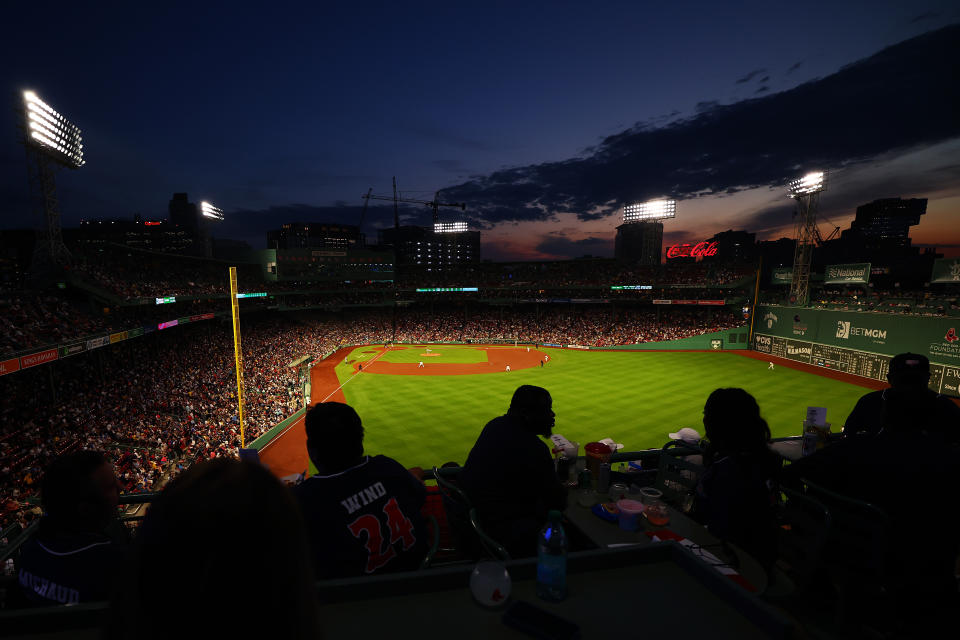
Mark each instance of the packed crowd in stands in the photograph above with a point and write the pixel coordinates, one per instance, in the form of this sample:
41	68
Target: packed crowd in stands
940	301
33	319
162	400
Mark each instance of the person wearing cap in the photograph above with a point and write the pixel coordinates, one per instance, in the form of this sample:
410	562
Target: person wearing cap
687	435
931	412
509	475
362	512
919	563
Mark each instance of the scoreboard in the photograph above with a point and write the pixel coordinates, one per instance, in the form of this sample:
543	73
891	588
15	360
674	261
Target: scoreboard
944	379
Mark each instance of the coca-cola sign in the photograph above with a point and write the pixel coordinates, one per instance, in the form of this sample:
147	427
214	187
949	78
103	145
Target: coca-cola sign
699	250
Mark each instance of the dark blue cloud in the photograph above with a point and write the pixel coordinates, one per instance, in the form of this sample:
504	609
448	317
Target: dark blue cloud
559	246
901	97
750	76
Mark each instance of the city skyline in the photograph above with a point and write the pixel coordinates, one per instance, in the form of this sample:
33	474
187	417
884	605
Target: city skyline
533	133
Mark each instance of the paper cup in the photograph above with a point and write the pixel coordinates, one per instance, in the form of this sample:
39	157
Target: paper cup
630	511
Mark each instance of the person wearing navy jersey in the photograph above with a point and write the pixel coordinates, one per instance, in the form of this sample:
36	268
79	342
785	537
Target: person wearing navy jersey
362	513
80	545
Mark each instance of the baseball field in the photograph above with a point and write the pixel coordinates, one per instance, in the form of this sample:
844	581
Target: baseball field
430	413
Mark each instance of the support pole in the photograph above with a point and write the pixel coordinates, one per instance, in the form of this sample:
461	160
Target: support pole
237	352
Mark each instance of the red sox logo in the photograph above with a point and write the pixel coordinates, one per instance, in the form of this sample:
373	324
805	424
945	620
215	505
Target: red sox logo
951	335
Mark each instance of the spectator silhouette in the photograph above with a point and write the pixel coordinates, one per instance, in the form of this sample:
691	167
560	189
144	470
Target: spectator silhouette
80	545
222	535
736	494
362	513
929	411
509	475
921	562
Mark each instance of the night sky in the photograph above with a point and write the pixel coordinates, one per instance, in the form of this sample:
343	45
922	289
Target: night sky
544	118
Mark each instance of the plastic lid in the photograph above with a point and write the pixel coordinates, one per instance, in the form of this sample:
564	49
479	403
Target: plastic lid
630	506
597	447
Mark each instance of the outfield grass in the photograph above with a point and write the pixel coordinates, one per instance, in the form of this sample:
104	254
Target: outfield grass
634	398
446	354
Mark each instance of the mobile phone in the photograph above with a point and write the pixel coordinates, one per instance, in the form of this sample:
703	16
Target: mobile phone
536	622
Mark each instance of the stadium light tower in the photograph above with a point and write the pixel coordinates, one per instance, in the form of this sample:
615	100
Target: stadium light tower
449	227
51	141
650	210
209	211
806	191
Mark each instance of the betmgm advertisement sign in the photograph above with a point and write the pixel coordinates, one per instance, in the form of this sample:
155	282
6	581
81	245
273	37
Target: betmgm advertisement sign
847	273
879	333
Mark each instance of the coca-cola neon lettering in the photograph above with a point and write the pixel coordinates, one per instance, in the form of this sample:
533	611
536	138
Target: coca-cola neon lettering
699	250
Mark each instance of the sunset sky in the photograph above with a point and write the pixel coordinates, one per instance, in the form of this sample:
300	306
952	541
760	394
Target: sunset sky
545	118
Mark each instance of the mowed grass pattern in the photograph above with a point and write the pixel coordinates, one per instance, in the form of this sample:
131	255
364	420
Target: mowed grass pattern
634	398
455	355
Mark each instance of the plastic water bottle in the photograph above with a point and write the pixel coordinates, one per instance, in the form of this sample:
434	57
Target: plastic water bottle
552	560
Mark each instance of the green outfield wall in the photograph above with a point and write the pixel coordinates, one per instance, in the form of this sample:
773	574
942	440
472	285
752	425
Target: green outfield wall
726	339
260	442
860	343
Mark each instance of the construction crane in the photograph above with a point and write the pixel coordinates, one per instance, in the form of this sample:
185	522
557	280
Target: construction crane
435	204
820	239
363	214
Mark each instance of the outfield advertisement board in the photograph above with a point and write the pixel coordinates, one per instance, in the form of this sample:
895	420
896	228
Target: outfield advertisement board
781	275
858	273
882	333
943	378
72	349
860	343
39	357
946	270
9	366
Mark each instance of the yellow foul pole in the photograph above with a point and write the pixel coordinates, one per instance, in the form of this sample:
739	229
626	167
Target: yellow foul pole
756	298
237	352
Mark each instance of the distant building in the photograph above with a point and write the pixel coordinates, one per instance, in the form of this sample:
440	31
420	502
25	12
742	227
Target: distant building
734	246
777	253
419	246
184	214
334	265
316	235
883	226
152	235
640	242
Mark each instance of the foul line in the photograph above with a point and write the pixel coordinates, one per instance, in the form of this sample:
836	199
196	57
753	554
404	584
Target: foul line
295	422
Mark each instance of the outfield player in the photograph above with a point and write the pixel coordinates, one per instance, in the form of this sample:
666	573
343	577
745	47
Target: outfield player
362	513
770	368
508	367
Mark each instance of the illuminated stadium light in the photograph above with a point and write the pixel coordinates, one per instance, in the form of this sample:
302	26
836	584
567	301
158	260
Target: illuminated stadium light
207	210
652	210
449	227
51	132
809	184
